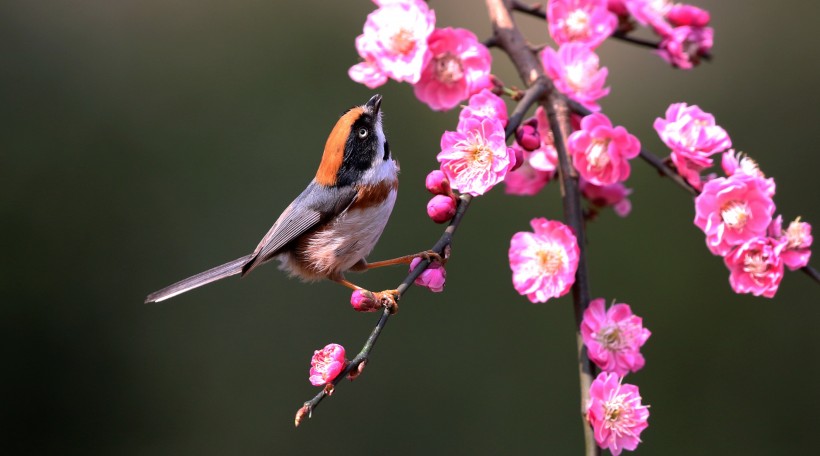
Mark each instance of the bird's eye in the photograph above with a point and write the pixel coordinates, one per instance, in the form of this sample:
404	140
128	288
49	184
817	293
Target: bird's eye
363	133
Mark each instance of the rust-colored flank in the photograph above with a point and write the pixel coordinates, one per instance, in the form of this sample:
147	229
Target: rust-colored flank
374	194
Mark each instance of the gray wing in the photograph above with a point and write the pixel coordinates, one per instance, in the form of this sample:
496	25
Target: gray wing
314	205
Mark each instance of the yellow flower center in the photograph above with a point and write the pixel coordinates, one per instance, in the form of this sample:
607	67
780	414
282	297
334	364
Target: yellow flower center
736	214
597	155
551	259
577	24
402	42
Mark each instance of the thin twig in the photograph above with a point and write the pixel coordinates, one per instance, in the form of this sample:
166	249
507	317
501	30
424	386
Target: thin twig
356	365
623	36
509	39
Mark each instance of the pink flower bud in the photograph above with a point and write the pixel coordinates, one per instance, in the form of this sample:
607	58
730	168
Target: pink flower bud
682	14
618	7
527	136
518	158
433	277
326	364
364	301
437	183
441	208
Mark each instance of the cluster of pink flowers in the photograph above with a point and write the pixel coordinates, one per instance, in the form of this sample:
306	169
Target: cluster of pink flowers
400	42
736	213
613	338
578	27
685	35
537	160
475	157
327	364
544	261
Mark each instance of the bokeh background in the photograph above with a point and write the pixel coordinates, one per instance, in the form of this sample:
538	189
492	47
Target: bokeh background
142	141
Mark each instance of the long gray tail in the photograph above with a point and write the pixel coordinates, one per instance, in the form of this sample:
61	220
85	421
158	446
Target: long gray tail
203	278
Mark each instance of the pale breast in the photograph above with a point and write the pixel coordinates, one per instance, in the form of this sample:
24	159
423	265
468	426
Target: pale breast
340	244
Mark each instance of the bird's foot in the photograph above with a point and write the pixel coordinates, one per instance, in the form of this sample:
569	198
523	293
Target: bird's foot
388	299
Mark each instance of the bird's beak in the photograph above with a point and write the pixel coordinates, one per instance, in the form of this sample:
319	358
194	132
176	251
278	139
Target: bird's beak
374	104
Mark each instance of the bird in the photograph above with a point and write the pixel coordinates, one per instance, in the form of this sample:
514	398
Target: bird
333	225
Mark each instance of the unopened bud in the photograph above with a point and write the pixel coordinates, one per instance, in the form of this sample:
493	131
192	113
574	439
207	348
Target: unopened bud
432	278
518	157
301	414
441	208
680	14
364	301
437	183
527	136
354	374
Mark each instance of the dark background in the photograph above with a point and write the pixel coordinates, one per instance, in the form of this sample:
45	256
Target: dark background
144	141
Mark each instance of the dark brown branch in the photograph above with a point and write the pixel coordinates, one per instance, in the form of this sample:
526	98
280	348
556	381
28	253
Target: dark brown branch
509	38
558	116
623	36
356	365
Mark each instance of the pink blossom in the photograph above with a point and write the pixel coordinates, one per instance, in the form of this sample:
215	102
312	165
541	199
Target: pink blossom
733	210
394	43
544	261
475	157
601	152
526	180
756	266
326	364
583	21
459	67
485	104
615	412
796	240
693	137
432	278
614	337
437	183
364	301
576	71
684	46
441	208
615	195
682	14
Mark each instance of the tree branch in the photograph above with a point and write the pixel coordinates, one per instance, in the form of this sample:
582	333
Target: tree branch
356	365
509	38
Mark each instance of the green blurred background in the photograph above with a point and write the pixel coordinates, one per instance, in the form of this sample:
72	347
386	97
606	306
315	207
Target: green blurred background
144	141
